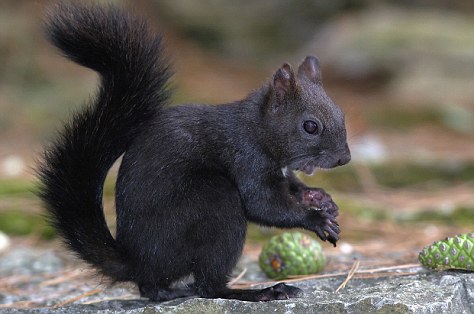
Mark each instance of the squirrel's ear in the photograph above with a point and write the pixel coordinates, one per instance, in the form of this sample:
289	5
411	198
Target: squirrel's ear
310	69
284	83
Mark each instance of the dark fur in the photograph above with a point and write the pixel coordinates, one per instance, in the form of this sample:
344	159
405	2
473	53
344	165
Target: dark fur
192	175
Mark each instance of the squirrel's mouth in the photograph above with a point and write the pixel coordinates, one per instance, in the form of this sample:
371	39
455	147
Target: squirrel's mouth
308	169
307	165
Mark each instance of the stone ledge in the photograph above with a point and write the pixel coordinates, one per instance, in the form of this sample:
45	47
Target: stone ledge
426	292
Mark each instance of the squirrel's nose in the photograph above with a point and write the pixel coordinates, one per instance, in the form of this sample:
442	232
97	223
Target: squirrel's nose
345	158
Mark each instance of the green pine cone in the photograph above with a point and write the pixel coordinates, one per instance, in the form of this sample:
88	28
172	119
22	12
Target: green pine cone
291	253
451	253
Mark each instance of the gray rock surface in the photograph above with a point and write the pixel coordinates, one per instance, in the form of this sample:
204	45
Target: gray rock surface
27	261
422	292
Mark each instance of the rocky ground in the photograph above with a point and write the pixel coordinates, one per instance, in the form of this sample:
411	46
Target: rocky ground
41	279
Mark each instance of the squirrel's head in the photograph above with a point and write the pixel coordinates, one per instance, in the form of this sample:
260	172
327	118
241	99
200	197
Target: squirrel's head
307	127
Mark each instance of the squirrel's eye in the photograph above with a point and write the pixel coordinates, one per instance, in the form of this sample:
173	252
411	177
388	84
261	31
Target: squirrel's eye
311	127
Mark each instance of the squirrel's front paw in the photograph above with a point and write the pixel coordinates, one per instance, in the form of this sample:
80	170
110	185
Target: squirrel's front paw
323	213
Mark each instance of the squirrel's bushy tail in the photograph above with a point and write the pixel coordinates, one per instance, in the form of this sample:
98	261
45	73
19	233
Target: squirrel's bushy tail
133	88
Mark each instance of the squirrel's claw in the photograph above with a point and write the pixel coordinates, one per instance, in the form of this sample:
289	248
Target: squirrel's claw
324	219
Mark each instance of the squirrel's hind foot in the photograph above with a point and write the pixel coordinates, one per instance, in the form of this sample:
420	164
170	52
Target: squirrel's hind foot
279	291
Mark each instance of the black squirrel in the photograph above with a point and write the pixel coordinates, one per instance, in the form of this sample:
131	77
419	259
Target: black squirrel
191	175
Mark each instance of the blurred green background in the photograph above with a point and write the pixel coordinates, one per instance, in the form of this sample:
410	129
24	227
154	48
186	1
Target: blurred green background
403	71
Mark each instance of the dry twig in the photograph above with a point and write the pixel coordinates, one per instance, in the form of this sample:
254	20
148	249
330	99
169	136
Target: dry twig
123	297
89	293
380	272
67	276
351	273
20	304
242	273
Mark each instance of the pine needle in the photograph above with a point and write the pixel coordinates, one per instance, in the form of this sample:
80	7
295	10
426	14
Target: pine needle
68	276
377	272
242	273
89	293
351	273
